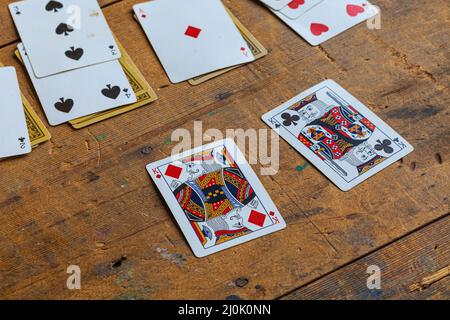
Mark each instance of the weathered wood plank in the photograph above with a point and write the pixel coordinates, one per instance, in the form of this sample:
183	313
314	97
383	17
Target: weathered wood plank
86	199
403	264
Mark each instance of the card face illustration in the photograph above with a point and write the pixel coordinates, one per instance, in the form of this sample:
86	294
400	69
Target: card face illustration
215	197
14	139
329	18
63	35
70	95
338	134
192	38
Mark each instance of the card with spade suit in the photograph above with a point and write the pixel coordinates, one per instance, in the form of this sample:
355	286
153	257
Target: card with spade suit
192	38
63	35
14	139
77	93
215	197
338	134
329	18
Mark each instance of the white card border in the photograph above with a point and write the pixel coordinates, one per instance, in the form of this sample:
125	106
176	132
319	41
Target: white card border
179	215
313	158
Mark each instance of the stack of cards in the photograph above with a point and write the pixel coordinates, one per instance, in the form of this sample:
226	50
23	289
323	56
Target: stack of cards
338	134
319	20
14	139
71	57
192	38
216	198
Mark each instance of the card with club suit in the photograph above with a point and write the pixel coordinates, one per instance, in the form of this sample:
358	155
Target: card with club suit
80	92
14	139
329	18
215	197
63	35
192	38
346	141
255	46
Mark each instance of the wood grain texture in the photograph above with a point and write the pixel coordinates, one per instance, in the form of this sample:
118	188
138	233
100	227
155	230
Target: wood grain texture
403	265
86	199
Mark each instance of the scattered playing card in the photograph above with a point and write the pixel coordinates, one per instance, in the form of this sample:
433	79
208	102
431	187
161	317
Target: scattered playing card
297	8
193	37
338	134
215	197
329	18
257	49
143	91
14	139
76	93
63	35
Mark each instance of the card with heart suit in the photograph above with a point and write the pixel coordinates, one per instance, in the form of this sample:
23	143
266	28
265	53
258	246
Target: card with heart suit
215	197
297	8
338	134
14	139
63	35
329	18
37	131
276	4
192	38
76	93
258	51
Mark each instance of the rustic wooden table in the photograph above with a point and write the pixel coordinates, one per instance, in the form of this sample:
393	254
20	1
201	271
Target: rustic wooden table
84	198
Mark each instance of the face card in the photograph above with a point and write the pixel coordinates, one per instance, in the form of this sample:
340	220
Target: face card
14	139
141	88
338	134
215	197
258	51
329	18
63	35
73	94
193	37
297	8
276	4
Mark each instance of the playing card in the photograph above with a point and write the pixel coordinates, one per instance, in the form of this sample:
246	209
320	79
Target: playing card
76	93
14	139
63	35
338	134
297	8
275	4
37	131
255	46
143	91
329	18
215	197
193	37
